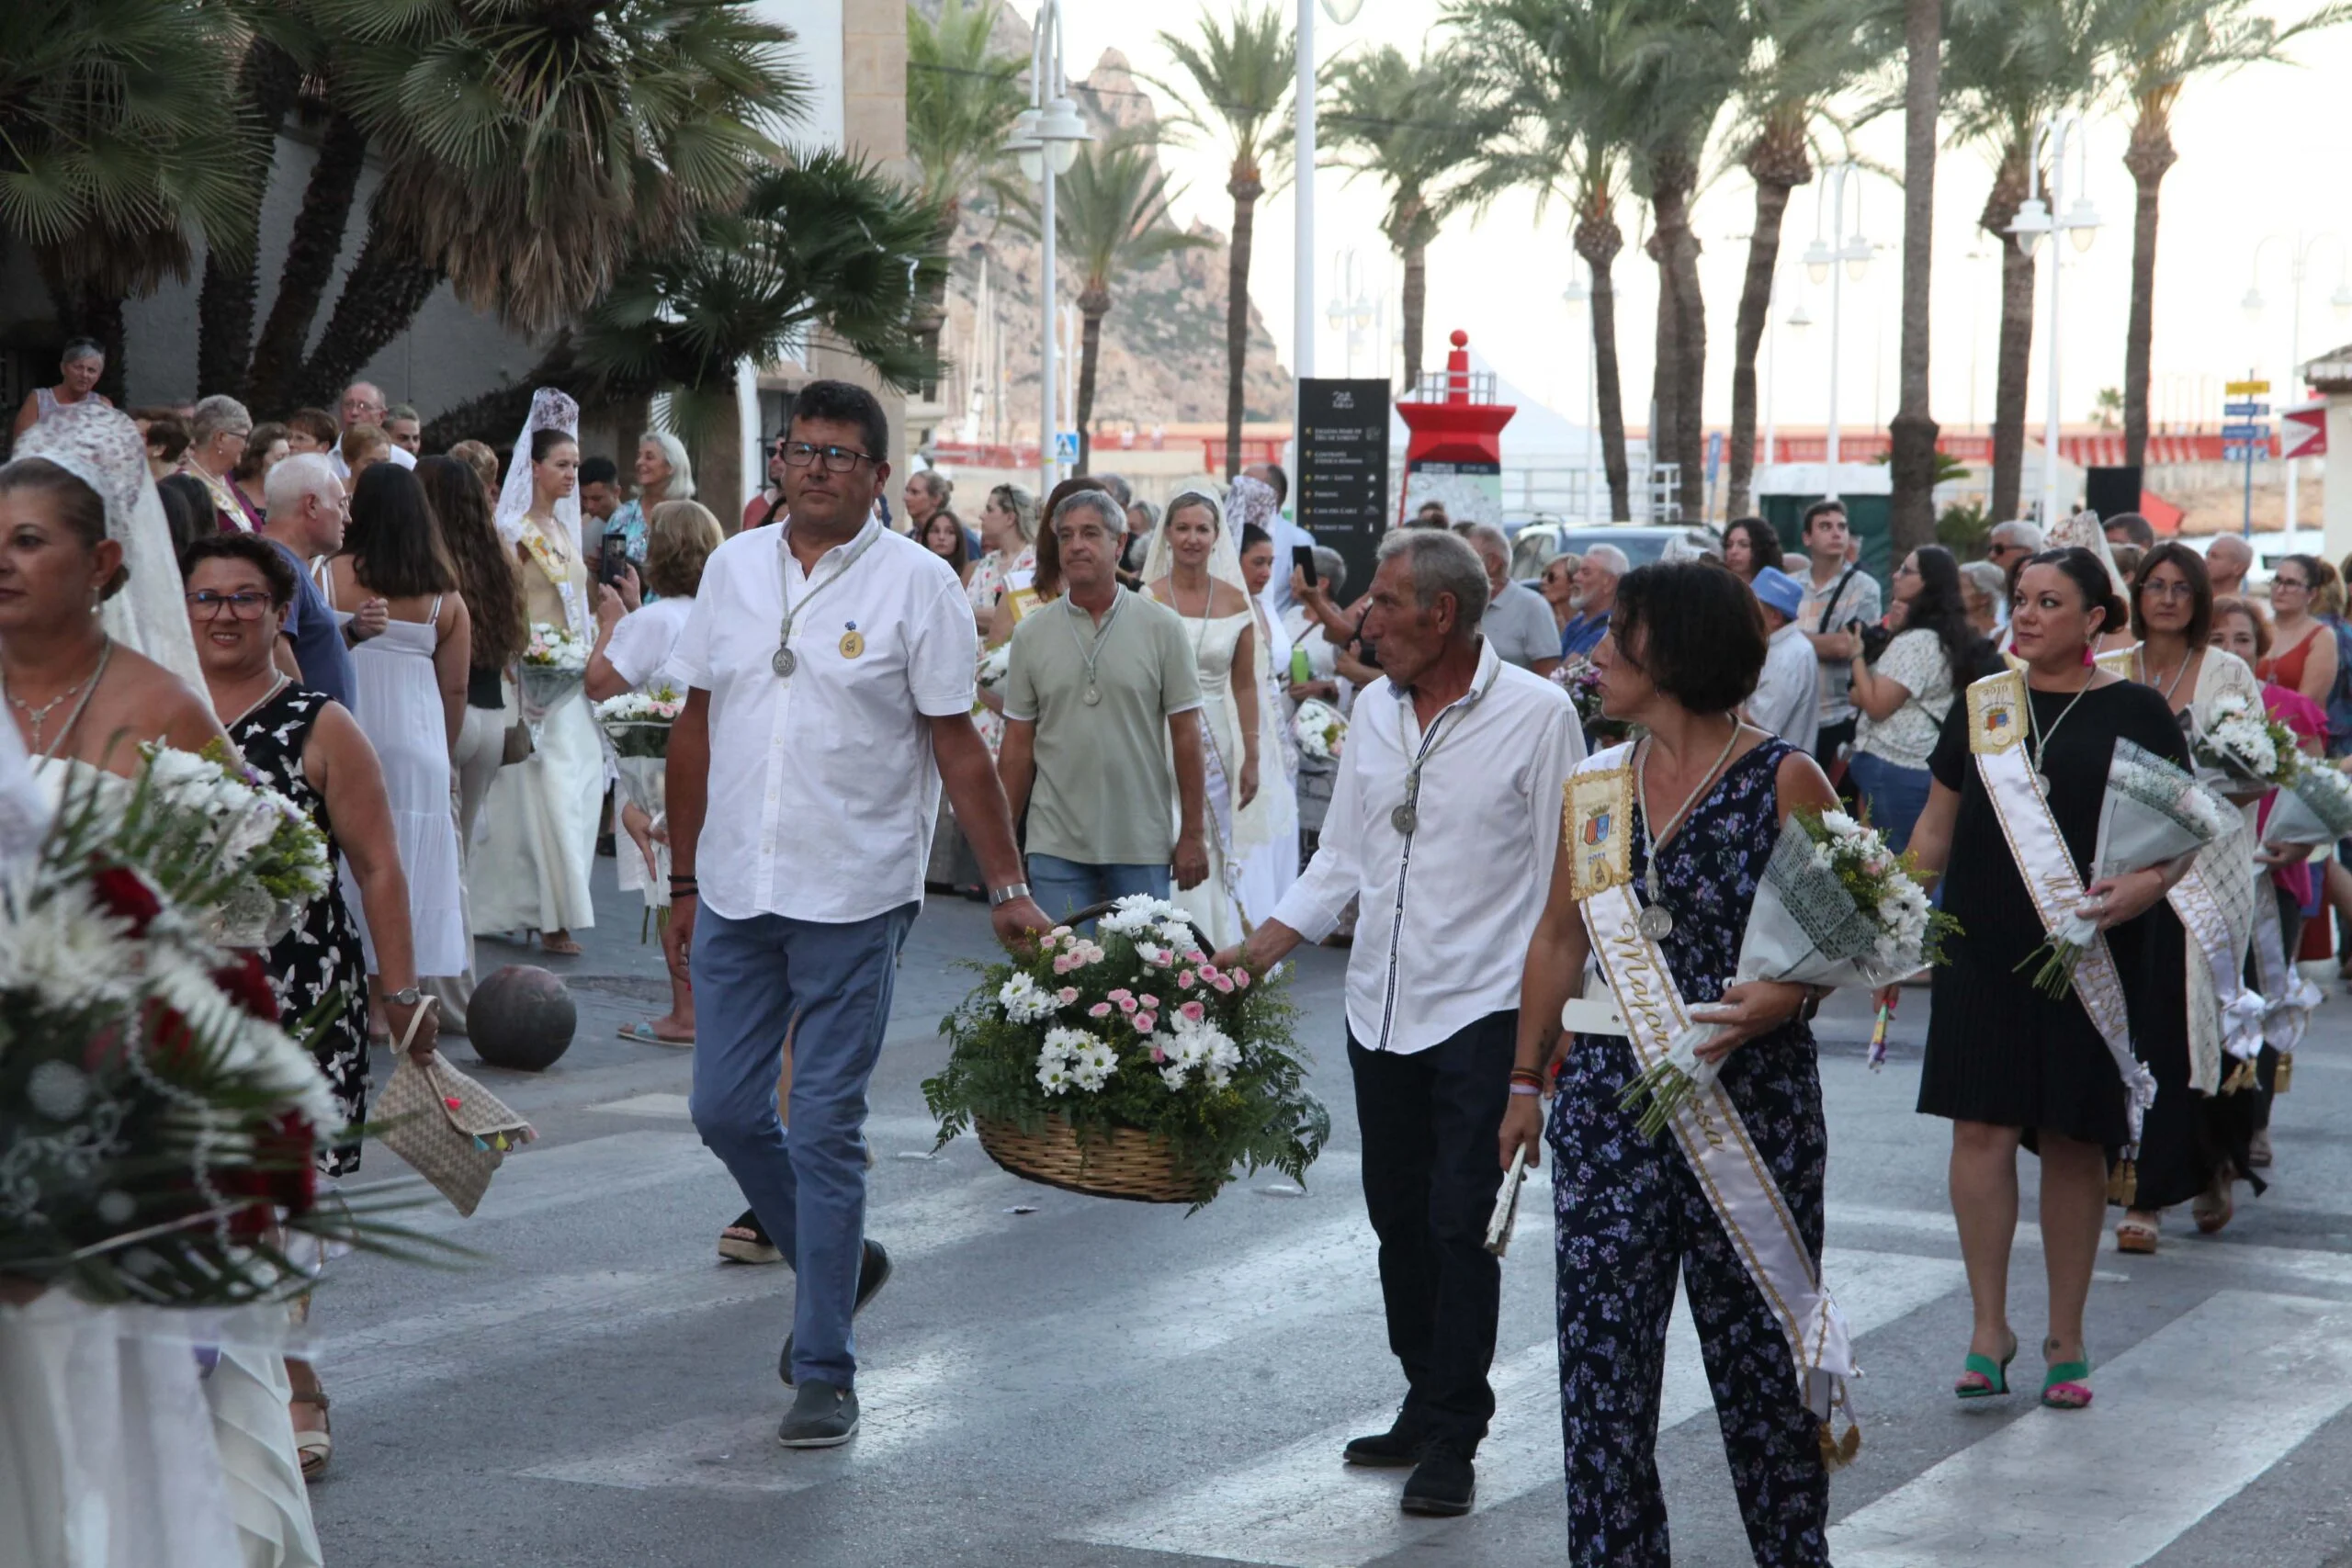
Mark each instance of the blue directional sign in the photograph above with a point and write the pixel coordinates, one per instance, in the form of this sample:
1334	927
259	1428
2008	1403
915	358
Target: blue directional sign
2244	411
2245	431
2245	454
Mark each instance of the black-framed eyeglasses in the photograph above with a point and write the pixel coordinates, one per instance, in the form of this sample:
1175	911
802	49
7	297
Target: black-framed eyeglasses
2290	582
838	460
242	607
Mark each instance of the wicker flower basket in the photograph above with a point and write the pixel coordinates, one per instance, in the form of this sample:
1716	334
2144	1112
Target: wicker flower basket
1127	1164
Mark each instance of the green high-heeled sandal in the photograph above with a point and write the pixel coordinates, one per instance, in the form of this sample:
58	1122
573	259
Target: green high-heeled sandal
1990	1377
2062	1385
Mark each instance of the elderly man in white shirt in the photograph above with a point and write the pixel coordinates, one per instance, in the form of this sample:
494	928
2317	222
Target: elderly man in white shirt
1443	822
363	403
829	663
1787	699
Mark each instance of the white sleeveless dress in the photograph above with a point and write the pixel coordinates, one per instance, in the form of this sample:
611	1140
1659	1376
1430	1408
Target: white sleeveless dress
1266	831
396	697
1215	904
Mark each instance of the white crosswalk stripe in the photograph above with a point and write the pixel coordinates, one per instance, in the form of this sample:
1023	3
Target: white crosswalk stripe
1301	1507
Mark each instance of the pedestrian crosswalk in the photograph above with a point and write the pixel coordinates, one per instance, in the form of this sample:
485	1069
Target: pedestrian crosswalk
2208	1401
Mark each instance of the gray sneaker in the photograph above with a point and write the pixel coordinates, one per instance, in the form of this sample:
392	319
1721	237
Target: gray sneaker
822	1417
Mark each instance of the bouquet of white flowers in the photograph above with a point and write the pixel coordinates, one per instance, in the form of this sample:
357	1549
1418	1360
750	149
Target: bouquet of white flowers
1319	729
1836	906
638	723
2153	812
996	663
234	847
2313	808
554	664
2246	746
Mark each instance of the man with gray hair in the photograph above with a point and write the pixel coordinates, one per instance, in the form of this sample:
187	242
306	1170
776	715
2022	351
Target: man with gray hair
1518	619
2010	546
363	403
2227	561
1594	599
1101	729
306	511
1453	770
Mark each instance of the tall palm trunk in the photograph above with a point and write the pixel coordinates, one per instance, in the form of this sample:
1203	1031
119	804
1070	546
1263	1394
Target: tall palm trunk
1685	353
1093	304
1778	163
1665	372
380	300
268	80
1417	299
310	262
1912	460
1598	240
931	317
2015	353
2148	156
1245	188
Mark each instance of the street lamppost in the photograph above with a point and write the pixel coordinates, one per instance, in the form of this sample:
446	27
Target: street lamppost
2302	246
1044	140
1579	292
2034	219
1822	259
1302	331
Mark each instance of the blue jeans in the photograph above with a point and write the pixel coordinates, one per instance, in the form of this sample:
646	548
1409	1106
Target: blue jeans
829	985
1895	795
1062	886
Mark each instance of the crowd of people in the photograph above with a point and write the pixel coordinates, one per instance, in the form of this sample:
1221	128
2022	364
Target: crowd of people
1088	696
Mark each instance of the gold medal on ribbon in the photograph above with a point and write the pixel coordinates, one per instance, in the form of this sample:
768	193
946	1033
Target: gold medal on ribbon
853	643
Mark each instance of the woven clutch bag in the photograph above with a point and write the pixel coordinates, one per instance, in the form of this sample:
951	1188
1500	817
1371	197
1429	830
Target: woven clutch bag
453	1132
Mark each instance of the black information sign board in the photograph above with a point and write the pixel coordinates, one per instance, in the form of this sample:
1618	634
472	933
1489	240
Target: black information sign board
1343	471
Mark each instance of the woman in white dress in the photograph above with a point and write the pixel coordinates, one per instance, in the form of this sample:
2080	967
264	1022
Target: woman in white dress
539	833
408	695
1196	570
633	655
1268	871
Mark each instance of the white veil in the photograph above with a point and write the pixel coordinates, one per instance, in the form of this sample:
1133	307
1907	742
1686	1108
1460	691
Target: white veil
102	447
1225	556
550	410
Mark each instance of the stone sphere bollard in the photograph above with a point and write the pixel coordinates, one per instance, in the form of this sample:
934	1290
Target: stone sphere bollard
522	1018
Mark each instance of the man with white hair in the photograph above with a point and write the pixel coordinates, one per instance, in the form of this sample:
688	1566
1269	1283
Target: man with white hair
1454	771
1593	600
1518	620
2009	545
2227	561
306	511
363	403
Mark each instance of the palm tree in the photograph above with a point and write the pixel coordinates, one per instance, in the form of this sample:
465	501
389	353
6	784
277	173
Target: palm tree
1912	454
1812	51
1417	130
1111	219
962	98
1239	73
2161	45
1562	83
2008	62
110	132
528	153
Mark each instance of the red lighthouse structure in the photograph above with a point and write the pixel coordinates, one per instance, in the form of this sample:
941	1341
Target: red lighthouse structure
1455	452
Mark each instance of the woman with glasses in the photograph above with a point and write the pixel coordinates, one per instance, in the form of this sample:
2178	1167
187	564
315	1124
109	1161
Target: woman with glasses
2305	659
1905	692
217	430
409	686
308	747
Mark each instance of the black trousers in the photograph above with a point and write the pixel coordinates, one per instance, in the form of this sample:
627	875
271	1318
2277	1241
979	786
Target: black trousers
1429	1179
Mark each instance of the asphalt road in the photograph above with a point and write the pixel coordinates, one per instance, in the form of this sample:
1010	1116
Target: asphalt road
1052	1379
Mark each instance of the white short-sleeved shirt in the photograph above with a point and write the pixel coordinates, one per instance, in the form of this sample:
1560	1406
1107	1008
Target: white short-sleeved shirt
822	790
641	645
1915	661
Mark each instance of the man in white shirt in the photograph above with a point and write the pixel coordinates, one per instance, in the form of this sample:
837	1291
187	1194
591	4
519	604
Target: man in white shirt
363	403
1443	822
830	664
1787	699
1837	594
1518	619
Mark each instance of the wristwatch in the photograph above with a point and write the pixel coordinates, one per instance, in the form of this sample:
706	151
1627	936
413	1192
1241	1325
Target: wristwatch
408	997
1007	894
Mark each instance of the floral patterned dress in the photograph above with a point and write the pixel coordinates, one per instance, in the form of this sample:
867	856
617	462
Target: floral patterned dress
317	968
1630	1213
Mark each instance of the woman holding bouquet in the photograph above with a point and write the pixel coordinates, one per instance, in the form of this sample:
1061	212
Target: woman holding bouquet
531	868
1693	816
2025	760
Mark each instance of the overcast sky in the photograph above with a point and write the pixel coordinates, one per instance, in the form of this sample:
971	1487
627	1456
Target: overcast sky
2253	162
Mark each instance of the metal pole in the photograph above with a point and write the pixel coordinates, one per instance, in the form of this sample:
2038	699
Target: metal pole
2294	363
1592	480
1049	465
1303	287
1837	300
1772	377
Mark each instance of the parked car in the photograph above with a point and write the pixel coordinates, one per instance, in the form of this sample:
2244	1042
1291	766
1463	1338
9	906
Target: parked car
1537	540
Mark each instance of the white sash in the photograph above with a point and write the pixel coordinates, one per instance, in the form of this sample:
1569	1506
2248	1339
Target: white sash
2289	997
2201	915
1997	722
1730	1172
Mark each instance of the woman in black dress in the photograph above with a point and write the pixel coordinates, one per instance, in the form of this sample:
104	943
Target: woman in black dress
2007	1063
309	748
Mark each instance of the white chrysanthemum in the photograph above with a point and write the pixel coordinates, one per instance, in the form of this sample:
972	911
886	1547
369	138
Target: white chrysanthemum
68	951
1065	1044
1838	822
1024	1002
1172	1075
261	1054
1094	1065
1053	1077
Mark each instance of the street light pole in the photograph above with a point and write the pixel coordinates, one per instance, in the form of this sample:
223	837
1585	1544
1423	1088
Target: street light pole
1302	333
1045	138
2033	220
1578	292
1833	261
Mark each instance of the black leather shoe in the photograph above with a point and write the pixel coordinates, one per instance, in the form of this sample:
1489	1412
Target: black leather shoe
1443	1483
822	1417
873	1273
1398	1448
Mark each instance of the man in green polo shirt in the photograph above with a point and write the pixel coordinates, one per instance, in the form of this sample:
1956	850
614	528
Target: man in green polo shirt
1101	693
